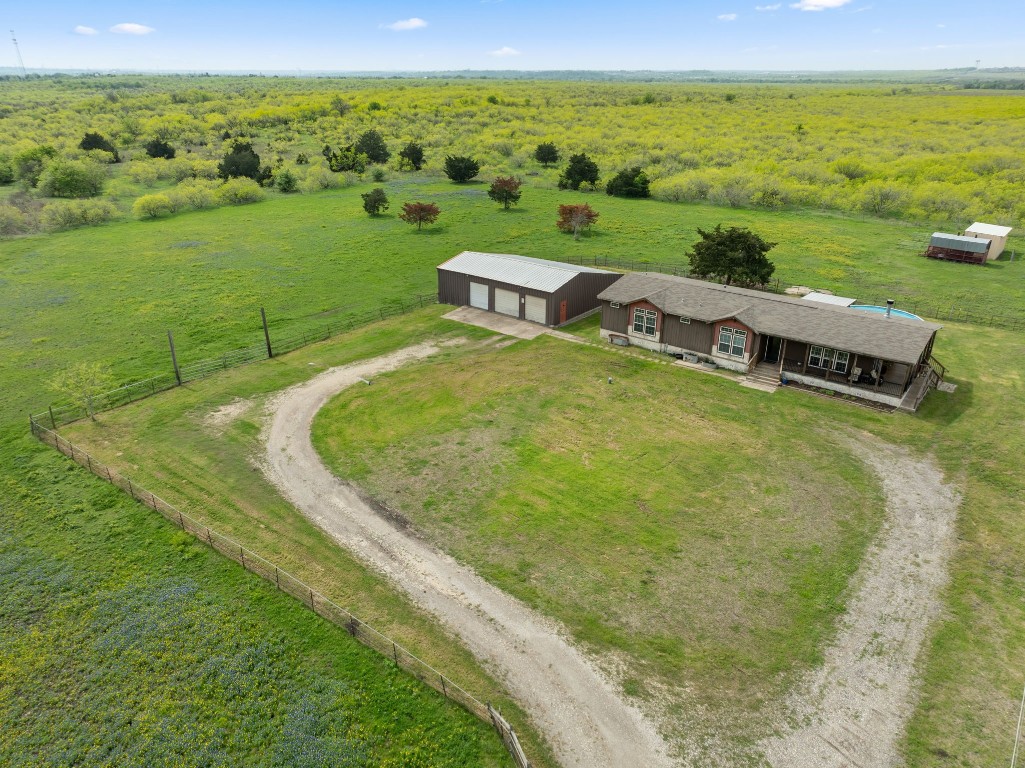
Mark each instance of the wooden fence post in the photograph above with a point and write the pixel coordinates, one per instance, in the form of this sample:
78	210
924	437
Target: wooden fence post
174	359
53	421
266	332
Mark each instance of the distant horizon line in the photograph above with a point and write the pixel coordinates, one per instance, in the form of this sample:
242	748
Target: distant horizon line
424	72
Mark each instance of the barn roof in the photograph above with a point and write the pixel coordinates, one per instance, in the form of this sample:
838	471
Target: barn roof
960	242
993	230
891	338
522	271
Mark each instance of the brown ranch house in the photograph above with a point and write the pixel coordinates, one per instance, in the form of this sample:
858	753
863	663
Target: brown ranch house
877	357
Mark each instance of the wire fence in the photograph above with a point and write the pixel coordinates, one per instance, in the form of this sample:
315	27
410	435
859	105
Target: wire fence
58	415
295	587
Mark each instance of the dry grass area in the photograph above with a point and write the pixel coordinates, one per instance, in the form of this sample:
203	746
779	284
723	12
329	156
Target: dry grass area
679	524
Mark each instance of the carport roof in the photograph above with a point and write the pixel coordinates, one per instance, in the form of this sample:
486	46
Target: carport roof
522	271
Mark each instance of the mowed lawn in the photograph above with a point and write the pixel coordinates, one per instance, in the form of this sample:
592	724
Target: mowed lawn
671	517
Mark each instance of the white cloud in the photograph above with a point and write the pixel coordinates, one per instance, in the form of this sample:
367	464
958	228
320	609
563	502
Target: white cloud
404	25
131	29
941	26
80	30
504	51
773	7
818	5
727	17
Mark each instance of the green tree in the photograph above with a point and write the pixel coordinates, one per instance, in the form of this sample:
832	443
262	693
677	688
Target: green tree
6	170
412	156
82	384
286	181
420	213
576	218
375	201
372	145
158	148
93	141
505	190
347	159
733	254
546	153
241	161
581	170
631	182
71	178
461	169
29	163
341	106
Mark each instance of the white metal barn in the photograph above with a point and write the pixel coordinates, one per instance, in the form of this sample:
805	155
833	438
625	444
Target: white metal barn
996	234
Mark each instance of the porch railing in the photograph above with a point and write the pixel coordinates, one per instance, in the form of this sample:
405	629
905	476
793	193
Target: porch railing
885	387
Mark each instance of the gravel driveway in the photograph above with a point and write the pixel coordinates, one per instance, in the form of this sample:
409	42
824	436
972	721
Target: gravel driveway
580	713
853	710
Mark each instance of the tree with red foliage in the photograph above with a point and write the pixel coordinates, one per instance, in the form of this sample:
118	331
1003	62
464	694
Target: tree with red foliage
419	213
505	190
574	218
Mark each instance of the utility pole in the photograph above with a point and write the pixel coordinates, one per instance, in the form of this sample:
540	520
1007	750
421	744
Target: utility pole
21	64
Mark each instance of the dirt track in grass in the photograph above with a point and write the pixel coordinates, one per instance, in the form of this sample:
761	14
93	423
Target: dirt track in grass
577	709
853	710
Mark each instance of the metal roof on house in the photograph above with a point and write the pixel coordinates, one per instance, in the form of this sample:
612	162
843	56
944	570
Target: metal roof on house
865	333
994	230
828	298
960	242
522	271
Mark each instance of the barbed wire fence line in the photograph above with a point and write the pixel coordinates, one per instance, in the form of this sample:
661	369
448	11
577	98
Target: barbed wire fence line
295	587
177	375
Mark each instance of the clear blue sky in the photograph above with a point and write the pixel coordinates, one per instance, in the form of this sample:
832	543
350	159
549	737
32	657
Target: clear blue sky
515	34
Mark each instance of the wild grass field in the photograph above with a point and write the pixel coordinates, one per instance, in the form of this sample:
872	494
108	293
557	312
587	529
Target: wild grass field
125	642
920	152
109	293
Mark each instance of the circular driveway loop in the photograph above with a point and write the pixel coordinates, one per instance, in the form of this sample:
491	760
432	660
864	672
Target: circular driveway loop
581	714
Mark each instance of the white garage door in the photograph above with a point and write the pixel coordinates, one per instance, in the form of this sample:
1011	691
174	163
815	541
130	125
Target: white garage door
537	309
478	295
507	302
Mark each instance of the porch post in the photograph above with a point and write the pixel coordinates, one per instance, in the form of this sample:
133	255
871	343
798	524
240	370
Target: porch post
850	371
879	378
782	356
907	379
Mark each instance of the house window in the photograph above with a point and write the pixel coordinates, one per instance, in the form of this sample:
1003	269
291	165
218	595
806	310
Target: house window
831	359
644	321
732	341
614	304
685	320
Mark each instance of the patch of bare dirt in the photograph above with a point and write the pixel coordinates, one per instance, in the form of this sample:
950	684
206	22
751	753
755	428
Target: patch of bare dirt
581	713
853	710
218	419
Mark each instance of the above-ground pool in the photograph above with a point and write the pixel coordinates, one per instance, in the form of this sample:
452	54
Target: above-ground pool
882	311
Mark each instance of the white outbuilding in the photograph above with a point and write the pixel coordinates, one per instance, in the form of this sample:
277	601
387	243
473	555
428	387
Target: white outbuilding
996	234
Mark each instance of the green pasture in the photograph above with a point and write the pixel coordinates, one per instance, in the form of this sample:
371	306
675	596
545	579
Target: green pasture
110	293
